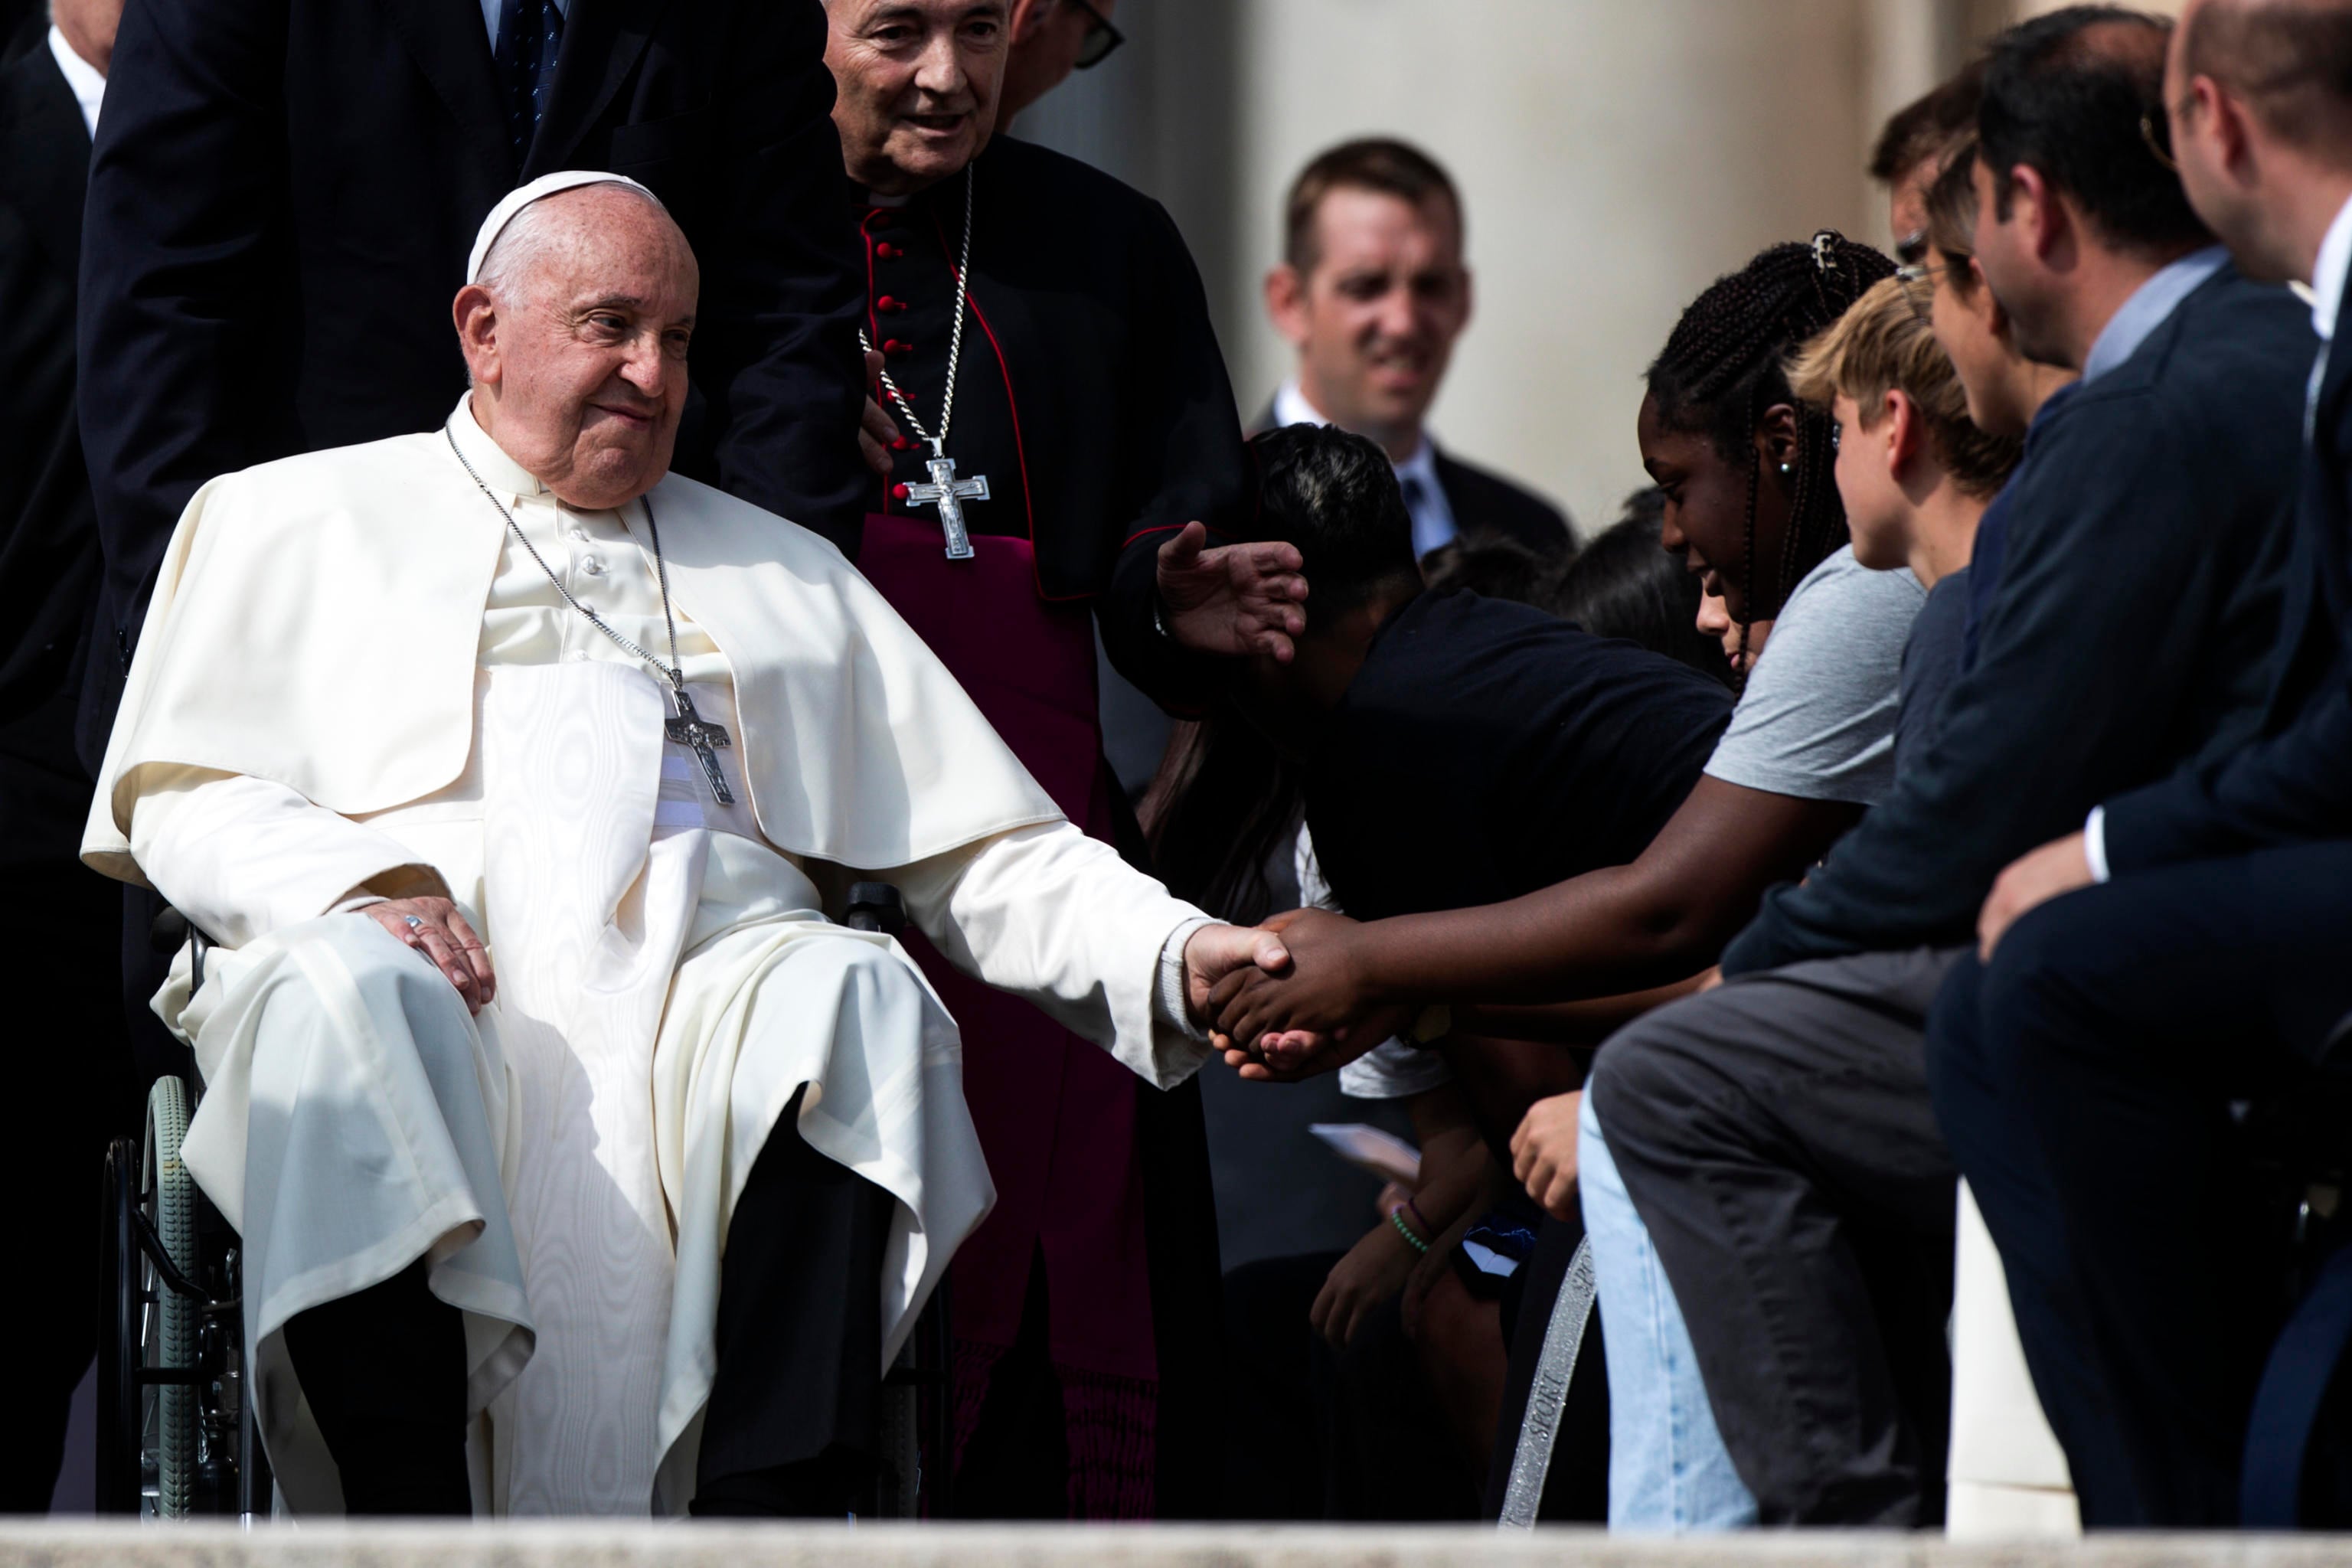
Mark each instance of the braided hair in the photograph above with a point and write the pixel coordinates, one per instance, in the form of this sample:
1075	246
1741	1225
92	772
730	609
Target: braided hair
1725	365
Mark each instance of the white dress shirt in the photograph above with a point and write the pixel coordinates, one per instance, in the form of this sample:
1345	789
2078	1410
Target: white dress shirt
87	82
1425	498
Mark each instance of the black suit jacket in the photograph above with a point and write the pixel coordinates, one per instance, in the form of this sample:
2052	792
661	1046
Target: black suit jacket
48	543
282	197
1488	505
2129	631
2294	785
1485	505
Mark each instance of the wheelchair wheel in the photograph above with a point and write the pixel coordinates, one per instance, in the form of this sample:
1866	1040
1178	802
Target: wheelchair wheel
168	1412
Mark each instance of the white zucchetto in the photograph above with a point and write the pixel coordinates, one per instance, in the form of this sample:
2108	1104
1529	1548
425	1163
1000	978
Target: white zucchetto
522	197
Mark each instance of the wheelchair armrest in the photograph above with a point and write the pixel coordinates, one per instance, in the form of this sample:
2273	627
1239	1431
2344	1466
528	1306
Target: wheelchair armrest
874	906
170	929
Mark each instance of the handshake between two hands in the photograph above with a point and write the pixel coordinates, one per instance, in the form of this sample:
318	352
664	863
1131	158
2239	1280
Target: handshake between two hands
1286	1000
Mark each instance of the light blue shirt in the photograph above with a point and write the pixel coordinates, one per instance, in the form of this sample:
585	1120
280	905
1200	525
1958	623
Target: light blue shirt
490	17
2146	309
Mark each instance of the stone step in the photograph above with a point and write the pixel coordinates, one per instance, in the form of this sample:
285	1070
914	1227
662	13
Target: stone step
600	1544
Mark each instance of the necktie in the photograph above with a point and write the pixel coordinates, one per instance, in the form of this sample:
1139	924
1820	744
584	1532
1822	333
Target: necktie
2311	391
529	34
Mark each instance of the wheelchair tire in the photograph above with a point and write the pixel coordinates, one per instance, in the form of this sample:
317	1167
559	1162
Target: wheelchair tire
170	1411
119	1435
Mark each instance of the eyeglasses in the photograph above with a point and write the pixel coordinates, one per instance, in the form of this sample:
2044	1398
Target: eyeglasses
1101	37
2160	146
1918	286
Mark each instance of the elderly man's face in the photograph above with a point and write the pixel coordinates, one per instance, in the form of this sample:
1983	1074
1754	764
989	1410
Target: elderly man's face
916	86
580	363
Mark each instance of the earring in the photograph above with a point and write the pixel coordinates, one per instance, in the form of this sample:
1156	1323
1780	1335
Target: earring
1787	468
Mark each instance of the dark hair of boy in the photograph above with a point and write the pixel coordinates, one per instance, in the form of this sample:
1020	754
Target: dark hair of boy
1494	568
2077	96
1625	585
1335	496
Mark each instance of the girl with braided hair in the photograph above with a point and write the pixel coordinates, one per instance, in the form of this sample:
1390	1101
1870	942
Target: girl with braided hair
1752	503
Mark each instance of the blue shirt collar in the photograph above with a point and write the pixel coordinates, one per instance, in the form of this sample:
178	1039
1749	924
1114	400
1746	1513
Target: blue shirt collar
2146	311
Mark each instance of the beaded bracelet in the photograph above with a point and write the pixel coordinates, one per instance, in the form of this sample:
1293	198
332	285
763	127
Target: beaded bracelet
1396	1218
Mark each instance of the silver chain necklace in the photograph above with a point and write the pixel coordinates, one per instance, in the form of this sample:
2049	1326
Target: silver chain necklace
955	337
687	728
945	490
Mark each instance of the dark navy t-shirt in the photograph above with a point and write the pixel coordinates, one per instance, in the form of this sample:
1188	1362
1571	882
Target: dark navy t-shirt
1487	749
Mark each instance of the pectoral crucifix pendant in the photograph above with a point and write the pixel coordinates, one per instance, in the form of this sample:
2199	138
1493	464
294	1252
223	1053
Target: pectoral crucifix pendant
691	729
950	493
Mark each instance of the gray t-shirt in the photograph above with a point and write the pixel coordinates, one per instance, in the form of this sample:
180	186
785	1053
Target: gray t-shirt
1817	720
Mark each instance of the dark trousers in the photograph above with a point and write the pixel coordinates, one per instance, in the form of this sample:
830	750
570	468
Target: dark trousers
2083	1080
792	1428
59	926
1777	1138
1316	1432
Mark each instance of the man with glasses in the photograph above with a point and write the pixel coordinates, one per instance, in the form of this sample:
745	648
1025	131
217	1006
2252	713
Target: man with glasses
1912	149
1066	441
1051	39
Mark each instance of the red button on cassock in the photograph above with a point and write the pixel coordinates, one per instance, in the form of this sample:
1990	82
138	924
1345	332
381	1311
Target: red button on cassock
889	305
888	252
898	346
899	491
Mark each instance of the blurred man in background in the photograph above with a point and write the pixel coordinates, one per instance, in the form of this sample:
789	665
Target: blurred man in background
1051	39
1372	292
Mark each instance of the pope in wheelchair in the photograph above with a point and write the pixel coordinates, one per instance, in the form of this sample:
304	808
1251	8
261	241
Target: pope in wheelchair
632	1216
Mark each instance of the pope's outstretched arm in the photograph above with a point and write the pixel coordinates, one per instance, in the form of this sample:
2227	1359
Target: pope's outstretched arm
1058	918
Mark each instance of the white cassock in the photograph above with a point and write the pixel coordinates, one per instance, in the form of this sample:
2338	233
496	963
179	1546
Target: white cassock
353	683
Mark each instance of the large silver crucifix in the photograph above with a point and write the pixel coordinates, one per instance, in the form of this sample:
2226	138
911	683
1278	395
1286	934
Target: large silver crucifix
950	493
691	729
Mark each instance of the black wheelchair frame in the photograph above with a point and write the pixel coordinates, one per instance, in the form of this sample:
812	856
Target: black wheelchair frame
177	1435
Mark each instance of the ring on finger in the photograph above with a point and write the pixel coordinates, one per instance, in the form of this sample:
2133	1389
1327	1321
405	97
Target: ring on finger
414	923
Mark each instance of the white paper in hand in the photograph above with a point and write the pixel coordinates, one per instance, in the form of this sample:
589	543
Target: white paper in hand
1384	1154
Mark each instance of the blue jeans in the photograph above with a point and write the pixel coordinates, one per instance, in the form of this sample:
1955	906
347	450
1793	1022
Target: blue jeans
1668	1469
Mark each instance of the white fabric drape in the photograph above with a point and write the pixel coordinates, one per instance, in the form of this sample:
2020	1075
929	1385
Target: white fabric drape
566	1163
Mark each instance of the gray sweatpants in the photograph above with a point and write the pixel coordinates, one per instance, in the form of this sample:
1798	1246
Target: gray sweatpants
1777	1137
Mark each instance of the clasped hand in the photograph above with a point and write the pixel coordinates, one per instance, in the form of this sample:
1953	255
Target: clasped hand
1315	1013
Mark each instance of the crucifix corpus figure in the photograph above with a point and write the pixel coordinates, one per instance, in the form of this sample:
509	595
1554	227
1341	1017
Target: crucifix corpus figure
950	493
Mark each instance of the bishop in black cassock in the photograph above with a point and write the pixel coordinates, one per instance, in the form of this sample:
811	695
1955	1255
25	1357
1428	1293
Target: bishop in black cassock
1091	397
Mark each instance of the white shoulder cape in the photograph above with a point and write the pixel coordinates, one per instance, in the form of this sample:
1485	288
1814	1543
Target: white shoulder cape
317	621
